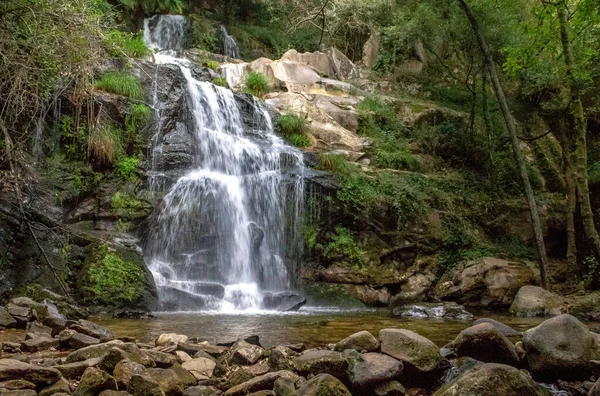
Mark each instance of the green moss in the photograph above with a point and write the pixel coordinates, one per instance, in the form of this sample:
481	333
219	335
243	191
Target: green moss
418	108
212	64
128	207
311	232
343	249
221	82
111	279
127	167
121	83
257	84
594	173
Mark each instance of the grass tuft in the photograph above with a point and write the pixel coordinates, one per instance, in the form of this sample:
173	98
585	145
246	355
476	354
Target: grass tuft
129	44
257	84
104	146
121	83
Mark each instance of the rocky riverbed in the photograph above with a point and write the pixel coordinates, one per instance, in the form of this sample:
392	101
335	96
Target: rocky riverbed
62	354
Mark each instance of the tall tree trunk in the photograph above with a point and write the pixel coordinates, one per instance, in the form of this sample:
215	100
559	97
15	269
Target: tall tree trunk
488	128
512	132
578	154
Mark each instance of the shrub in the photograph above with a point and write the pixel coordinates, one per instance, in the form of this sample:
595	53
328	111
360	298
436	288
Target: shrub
394	155
257	84
121	83
137	115
298	140
127	167
212	64
221	82
334	163
104	146
288	124
343	248
129	44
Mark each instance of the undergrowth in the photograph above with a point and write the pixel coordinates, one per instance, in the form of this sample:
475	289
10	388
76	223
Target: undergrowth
121	83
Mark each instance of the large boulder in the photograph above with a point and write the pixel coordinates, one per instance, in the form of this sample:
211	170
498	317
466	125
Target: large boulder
535	301
319	61
263	382
505	330
13	369
371	50
372	369
167	380
321	361
492	379
448	310
486	343
283	301
95	381
244	353
323	385
125	370
361	341
343	66
93	330
414	289
200	368
488	282
411	348
560	347
6	320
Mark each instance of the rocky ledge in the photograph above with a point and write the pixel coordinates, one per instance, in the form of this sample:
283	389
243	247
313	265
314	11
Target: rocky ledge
60	356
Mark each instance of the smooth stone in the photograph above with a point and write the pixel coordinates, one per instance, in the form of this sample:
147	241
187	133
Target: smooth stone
486	343
411	348
15	370
321	361
93	381
200	368
361	341
75	370
323	385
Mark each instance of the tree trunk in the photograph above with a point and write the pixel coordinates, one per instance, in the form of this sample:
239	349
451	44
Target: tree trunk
512	132
488	129
578	155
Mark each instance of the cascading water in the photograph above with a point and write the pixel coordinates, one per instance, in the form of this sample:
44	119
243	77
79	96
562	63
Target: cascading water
228	233
229	46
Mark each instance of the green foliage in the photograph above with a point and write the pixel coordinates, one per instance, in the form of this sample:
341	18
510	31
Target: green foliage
288	124
151	7
299	140
129	44
212	64
335	163
127	167
590	266
72	138
311	232
460	244
126	204
137	116
203	34
594	173
121	83
104	146
221	82
113	280
257	84
343	249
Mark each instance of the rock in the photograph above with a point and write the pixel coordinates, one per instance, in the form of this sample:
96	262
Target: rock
200	368
535	301
377	297
93	381
296	77
449	310
410	348
113	393
284	387
323	385
201	391
38	328
92	329
182	356
321	361
213	350
6	320
144	386
125	370
280	357
93	351
15	370
162	359
16	385
78	341
20	314
319	61
21	392
39	344
264	382
185	377
492	379
595	390
168	381
505	330
361	341
343	67
170	338
283	301
60	386
392	388
484	342
65	336
374	369
371	50
487	283
74	371
560	347
414	289
244	353
238	377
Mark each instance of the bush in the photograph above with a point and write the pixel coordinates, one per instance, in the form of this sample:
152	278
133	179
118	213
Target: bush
334	163
343	248
394	155
288	124
129	44
121	83
127	167
212	64
137	115
221	82
257	84
298	140
104	146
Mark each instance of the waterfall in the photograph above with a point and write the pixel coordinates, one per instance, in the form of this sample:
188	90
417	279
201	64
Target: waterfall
228	232
229	46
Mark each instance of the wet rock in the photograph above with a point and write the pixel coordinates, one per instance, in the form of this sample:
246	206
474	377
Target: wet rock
244	353
200	368
125	370
93	381
15	370
361	341
74	371
411	348
20	314
488	282
78	341
491	379
16	385
284	387
505	330
170	338
192	349
113	393
60	386
414	289
185	377
39	344
321	361
167	380
162	359
144	386
6	320
38	328
374	369
182	356
21	392
433	311
280	357
323	384
371	296
283	301
93	351
264	382
201	390
484	342
392	388
560	347
92	329
535	301
173	299
238	377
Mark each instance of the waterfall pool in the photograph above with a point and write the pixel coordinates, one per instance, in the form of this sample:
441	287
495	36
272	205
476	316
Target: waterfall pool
311	325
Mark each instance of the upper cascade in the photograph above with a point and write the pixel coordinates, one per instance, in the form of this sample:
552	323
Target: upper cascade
227	237
229	46
165	32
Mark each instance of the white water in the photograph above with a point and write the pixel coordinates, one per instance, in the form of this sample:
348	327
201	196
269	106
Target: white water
228	229
228	44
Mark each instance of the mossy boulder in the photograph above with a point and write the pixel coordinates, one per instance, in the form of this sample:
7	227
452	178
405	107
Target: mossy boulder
116	277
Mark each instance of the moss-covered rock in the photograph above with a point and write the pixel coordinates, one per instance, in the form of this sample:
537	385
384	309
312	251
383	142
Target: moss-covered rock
116	277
